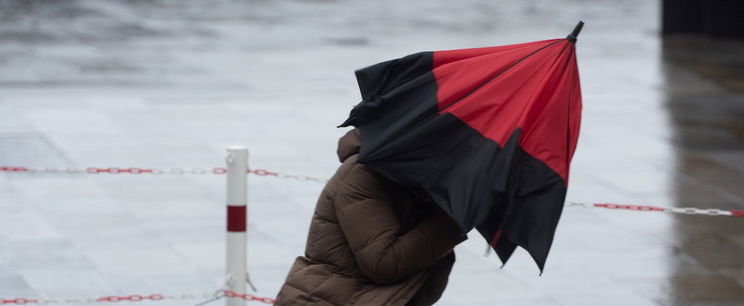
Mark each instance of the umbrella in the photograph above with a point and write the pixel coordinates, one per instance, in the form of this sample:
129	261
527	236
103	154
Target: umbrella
489	133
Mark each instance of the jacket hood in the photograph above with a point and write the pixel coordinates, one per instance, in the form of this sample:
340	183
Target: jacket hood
348	145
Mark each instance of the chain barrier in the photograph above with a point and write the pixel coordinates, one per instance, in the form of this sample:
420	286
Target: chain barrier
249	297
267	173
675	210
138	298
222	293
155	171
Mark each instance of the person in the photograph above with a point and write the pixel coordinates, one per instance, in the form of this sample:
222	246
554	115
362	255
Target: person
372	242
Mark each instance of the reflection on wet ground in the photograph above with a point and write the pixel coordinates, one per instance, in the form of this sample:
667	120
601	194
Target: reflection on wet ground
704	97
169	83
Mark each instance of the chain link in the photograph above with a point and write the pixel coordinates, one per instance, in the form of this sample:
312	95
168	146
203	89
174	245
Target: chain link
249	297
301	178
675	210
699	211
138	298
18	301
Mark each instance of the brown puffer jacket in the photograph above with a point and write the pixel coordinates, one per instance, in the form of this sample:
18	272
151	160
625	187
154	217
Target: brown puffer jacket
371	243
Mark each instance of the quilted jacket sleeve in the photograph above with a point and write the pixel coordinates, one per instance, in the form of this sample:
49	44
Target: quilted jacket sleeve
373	231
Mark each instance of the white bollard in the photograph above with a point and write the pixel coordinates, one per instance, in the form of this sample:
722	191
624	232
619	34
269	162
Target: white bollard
237	222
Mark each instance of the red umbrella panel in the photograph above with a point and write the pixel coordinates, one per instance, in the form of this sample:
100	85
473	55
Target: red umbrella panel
488	132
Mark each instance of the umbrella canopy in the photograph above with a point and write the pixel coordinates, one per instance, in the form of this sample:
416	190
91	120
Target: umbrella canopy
489	133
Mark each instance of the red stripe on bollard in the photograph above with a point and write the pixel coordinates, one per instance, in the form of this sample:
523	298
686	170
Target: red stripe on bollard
737	213
236	218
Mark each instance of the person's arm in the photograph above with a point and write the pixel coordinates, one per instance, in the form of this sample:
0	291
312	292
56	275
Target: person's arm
372	229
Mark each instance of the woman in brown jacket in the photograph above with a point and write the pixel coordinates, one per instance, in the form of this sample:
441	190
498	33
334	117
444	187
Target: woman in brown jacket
371	242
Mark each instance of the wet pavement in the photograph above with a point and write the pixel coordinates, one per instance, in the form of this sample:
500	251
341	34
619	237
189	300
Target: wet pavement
706	111
172	83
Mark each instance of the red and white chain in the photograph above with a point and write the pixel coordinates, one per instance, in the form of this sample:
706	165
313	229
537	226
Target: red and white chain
674	210
262	172
154	171
137	298
249	297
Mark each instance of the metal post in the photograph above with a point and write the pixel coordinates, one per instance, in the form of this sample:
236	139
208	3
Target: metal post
237	167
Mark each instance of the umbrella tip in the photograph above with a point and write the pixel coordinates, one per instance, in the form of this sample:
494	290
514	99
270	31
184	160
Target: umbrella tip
575	33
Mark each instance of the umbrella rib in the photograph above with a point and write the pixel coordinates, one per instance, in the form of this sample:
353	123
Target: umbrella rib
497	75
568	131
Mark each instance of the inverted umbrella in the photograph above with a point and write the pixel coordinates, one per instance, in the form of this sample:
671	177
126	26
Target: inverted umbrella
489	133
